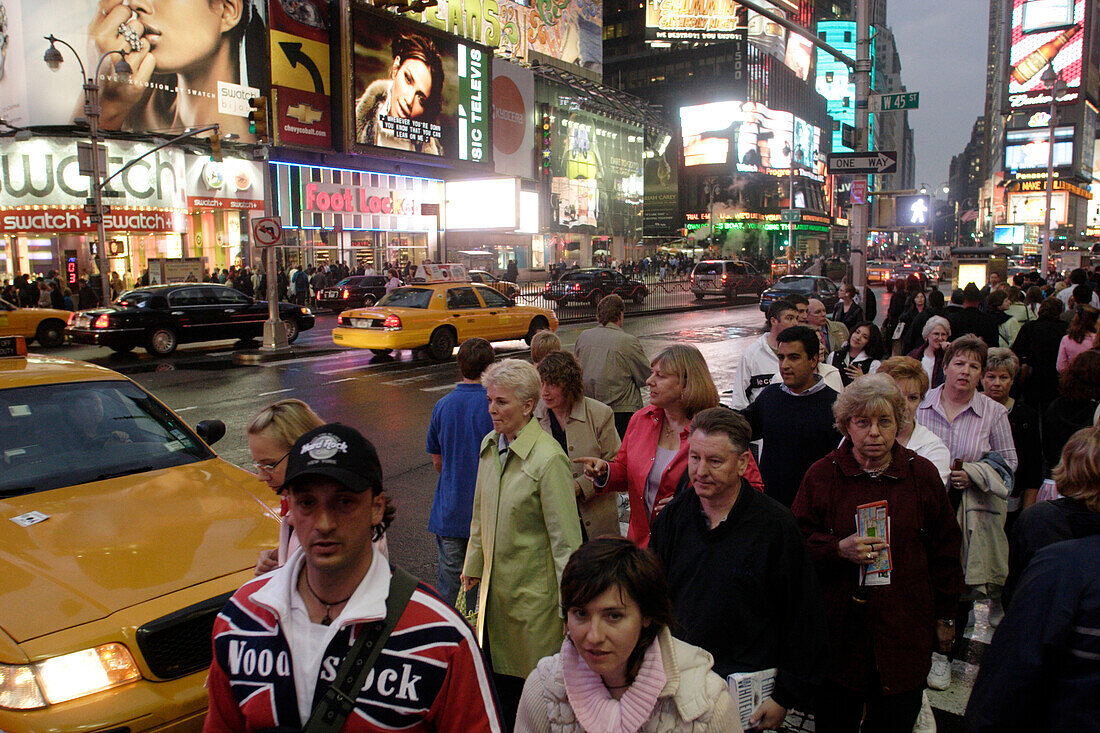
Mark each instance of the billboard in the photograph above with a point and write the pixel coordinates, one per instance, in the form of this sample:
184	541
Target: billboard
181	78
513	120
465	209
300	75
1030	208
1044	32
749	136
724	20
834	80
417	89
1030	149
1009	234
661	210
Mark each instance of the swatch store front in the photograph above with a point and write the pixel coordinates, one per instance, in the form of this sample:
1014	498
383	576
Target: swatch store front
170	205
356	217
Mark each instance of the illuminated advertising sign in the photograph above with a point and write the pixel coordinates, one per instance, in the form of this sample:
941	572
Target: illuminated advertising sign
181	78
704	20
1009	234
750	136
300	74
1029	208
1044	32
724	20
312	197
466	204
576	201
417	89
1030	149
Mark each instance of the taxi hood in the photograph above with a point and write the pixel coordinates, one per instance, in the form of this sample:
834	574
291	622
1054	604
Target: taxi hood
108	545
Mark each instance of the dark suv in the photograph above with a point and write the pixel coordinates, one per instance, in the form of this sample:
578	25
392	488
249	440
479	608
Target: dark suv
357	291
727	278
592	283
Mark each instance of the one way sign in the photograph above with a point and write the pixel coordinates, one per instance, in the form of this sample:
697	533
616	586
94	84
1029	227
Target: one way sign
874	161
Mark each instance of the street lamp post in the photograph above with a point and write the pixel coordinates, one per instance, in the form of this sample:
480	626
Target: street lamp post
1053	82
53	60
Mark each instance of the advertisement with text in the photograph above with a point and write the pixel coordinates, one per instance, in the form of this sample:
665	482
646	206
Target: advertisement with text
419	90
193	63
1045	32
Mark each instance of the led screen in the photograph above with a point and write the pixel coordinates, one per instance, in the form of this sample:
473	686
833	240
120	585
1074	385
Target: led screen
1009	234
418	89
748	135
1043	32
1030	149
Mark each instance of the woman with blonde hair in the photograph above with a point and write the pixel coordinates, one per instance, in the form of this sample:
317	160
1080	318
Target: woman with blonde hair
271	434
542	343
652	461
523	530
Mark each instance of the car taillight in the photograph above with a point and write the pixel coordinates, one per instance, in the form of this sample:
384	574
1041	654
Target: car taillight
693	277
392	323
104	321
72	318
547	285
576	286
340	320
346	293
725	276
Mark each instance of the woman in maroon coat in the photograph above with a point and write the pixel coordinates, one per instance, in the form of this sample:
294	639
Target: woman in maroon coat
883	627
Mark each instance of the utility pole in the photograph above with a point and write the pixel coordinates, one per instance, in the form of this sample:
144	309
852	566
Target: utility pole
860	212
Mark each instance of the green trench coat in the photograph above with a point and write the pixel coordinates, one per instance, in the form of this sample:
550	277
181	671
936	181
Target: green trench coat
524	528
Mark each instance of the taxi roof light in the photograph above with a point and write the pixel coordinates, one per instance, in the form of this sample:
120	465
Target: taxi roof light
13	346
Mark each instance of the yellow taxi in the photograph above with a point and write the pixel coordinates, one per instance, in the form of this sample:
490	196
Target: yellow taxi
122	535
46	325
879	272
439	310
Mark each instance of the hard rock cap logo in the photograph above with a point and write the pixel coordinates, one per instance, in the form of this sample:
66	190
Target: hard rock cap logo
324	446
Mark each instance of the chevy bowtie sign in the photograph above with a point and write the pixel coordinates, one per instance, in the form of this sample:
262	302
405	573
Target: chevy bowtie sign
874	161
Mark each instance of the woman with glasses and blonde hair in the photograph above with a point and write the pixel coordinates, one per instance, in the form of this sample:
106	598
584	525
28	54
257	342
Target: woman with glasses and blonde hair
270	436
652	461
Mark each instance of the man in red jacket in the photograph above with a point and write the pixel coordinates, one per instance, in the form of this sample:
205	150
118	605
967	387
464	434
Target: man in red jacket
281	639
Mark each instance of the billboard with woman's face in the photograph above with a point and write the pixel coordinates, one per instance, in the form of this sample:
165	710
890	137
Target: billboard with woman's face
194	62
417	89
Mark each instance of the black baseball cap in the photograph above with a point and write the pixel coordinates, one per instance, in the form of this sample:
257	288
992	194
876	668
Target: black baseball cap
337	452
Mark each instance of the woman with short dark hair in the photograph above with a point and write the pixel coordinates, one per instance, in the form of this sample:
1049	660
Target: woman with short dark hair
619	669
860	355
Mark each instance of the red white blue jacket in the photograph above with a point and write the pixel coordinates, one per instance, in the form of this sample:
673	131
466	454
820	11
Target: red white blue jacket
430	676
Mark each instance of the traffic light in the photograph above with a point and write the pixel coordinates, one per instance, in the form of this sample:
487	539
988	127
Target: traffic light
215	147
257	118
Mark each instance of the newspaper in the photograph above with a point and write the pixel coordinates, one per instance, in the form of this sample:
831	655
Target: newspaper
873	520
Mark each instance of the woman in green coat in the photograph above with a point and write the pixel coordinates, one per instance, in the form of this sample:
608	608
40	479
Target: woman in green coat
524	528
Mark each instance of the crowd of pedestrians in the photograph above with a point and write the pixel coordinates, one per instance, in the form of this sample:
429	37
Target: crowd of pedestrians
905	475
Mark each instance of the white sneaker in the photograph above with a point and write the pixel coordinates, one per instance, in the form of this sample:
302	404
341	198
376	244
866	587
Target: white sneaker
939	677
926	720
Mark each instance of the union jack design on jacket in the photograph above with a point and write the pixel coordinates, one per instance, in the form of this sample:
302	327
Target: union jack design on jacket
430	675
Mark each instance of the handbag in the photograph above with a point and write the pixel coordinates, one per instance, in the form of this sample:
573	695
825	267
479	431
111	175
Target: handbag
466	613
339	699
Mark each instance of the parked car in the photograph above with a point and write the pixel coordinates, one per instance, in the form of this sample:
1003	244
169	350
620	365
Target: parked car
590	284
127	536
45	325
505	288
811	286
727	278
357	291
161	317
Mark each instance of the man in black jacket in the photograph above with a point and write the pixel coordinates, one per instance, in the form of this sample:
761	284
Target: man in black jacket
741	580
1037	347
971	319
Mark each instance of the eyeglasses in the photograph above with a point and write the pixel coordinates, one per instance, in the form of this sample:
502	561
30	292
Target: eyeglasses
269	467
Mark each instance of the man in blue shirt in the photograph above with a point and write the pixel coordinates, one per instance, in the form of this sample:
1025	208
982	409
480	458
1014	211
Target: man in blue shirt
459	422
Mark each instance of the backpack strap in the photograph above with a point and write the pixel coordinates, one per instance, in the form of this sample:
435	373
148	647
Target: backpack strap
339	700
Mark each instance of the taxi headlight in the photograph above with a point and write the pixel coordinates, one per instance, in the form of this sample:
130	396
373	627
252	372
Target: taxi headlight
306	312
56	680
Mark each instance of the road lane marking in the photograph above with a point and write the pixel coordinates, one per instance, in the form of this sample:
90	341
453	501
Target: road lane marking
185	409
345	379
344	369
278	391
407	380
437	389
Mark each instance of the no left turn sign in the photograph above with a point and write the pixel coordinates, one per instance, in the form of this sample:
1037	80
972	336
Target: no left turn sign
267	231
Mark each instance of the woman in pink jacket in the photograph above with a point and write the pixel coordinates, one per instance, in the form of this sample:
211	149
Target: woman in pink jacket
652	459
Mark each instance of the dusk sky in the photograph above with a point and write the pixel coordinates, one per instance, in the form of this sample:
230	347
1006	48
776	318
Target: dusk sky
942	44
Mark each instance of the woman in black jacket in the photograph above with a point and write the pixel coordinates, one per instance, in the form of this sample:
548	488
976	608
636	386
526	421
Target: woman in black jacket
847	310
1076	405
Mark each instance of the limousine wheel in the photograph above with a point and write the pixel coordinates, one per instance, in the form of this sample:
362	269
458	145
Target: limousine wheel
162	341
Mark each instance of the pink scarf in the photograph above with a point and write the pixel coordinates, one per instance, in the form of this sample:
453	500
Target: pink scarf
596	710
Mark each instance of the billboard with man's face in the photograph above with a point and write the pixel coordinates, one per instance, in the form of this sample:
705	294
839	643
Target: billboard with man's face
193	63
418	89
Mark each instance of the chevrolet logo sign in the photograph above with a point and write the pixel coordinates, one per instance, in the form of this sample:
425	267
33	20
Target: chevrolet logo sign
304	114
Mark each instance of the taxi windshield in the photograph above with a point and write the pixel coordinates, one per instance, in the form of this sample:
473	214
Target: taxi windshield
408	298
58	435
